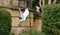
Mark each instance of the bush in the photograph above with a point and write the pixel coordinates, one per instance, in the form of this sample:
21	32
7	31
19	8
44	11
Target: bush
51	19
5	22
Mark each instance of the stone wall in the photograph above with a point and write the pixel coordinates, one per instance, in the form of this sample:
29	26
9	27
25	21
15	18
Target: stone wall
26	25
14	3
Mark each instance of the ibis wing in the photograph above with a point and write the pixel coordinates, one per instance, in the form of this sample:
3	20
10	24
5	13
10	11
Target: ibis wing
26	13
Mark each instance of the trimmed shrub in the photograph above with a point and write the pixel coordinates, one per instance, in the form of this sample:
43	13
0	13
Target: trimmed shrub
51	19
5	22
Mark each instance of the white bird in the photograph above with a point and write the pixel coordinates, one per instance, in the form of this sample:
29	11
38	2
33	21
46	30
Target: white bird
38	9
23	16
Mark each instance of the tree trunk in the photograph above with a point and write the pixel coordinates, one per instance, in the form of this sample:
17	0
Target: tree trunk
40	2
49	1
54	1
43	1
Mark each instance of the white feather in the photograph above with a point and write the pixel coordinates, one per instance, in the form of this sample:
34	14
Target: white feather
25	14
37	9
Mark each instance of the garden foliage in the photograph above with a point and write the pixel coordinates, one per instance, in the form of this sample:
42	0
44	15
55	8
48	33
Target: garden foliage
51	19
5	22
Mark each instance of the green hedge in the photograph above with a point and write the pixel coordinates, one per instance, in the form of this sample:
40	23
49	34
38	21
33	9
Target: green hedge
51	19
5	22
